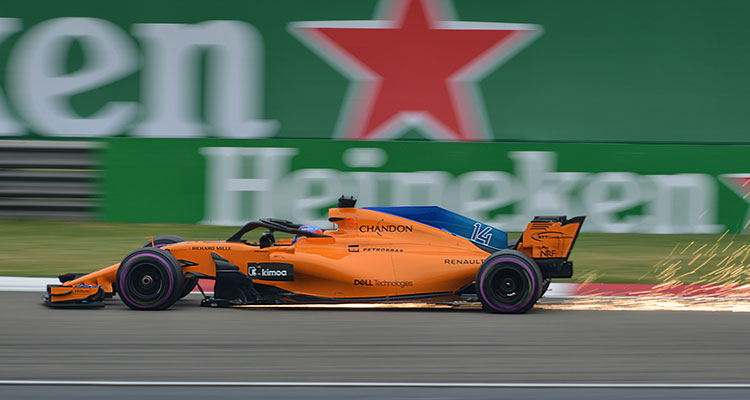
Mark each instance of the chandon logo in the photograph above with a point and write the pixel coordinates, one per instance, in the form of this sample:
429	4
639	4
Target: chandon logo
377	228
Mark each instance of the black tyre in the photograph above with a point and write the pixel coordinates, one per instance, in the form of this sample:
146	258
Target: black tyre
160	241
508	282
149	279
164	240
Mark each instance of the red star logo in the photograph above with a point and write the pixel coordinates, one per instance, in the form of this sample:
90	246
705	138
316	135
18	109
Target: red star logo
414	68
740	185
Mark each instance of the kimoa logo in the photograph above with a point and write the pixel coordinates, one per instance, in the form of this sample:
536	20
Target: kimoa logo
253	271
273	272
434	51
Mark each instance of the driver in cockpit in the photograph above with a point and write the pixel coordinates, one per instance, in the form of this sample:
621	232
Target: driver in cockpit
307	228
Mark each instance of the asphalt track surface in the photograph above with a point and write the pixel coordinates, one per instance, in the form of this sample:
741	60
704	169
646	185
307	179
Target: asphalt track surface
190	343
245	393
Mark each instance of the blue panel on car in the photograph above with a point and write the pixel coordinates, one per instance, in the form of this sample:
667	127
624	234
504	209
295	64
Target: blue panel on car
449	221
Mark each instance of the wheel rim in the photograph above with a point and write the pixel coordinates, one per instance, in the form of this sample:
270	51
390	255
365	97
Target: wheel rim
508	285
149	279
145	283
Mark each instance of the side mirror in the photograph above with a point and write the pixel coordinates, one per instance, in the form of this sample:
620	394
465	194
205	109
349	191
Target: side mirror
266	240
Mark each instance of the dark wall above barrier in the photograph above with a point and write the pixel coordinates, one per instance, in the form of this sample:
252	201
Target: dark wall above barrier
670	71
50	179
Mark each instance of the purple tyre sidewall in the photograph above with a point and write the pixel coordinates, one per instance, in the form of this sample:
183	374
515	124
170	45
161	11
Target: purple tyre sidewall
123	273
160	245
510	307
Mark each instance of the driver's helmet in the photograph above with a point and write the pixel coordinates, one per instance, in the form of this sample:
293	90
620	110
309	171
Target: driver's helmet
307	228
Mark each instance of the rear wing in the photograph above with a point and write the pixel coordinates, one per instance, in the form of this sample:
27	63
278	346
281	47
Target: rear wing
550	237
549	241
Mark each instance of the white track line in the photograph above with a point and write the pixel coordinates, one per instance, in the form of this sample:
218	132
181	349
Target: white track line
385	384
652	298
25	284
556	290
30	284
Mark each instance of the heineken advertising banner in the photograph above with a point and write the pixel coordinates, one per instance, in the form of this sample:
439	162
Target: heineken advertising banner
619	187
667	71
219	112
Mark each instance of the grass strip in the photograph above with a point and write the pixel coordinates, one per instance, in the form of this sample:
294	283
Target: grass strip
49	248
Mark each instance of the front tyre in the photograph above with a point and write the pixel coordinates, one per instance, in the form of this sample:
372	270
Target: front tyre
149	279
508	282
164	240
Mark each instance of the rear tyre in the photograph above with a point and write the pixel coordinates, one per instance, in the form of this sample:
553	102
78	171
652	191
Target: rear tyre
508	282
149	279
163	240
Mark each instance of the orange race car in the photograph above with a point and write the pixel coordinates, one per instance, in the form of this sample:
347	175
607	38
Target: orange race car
379	254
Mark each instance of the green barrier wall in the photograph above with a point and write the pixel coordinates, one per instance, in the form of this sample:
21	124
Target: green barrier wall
621	188
668	71
218	112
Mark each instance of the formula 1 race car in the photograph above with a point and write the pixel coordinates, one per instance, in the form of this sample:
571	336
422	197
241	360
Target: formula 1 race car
378	254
